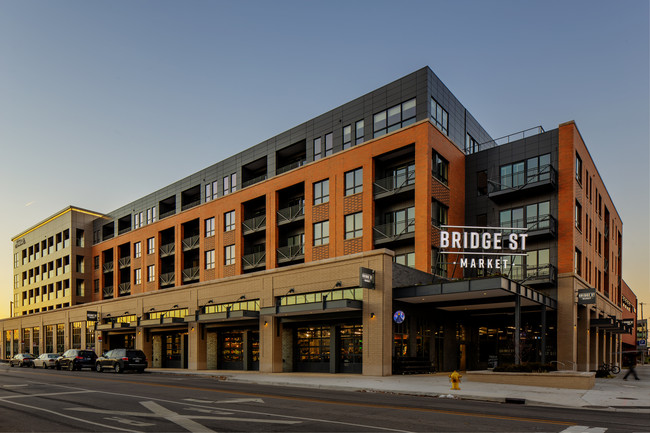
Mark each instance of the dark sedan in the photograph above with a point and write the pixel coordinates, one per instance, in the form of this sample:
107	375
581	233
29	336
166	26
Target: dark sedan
22	360
120	360
76	359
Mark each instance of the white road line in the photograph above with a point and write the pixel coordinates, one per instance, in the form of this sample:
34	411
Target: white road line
70	417
227	401
45	395
15	386
584	429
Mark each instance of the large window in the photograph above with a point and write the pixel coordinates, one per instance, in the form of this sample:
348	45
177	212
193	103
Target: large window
322	191
394	118
537	263
354	181
76	334
229	256
229	221
151	273
209	227
440	169
151	245
229	183
354	225
137	250
313	344
406	259
538	216
439	214
512	217
439	116
438	263
518	174
209	259
210	191
137	276
512	175
60	332
321	233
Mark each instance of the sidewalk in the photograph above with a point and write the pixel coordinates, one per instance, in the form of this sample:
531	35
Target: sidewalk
608	394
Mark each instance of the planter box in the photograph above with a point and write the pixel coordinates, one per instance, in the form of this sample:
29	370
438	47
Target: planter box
555	379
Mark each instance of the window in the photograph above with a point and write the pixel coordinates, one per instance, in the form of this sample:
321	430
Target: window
210	191
438	265
96	286
406	259
538	168
354	225
138	220
229	255
329	144
400	221
209	259
322	233
151	215
229	221
440	117
354	181
403	176
537	263
229	183
209	227
137	276
359	132
577	260
318	148
587	183
319	151
440	168
578	216
481	182
137	250
512	217
578	169
151	273
512	175
95	262
151	245
538	216
394	118
322	192
471	145
347	137
439	214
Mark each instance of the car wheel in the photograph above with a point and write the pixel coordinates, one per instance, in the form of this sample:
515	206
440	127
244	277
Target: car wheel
11	364
71	366
98	368
45	366
117	367
33	365
58	366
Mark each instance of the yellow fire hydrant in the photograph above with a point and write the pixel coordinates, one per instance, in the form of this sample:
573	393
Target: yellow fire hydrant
454	378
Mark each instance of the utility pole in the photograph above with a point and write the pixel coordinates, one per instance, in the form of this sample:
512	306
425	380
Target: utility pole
643	354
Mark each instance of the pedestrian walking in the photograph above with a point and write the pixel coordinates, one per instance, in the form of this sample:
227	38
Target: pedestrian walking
631	364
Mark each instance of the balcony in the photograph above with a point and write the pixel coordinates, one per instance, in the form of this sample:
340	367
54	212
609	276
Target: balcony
190	274
518	185
124	289
108	292
291	253
108	267
124	262
385	233
289	167
254	260
543	275
544	226
392	185
254	225
291	214
167	250
167	279
253	181
191	243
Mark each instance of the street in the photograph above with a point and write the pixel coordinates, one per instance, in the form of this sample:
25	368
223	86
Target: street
57	401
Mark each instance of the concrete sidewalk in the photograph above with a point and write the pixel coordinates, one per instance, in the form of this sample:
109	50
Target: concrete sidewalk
608	394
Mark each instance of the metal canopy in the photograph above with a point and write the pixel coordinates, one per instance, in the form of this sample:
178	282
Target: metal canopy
611	324
312	308
225	316
478	294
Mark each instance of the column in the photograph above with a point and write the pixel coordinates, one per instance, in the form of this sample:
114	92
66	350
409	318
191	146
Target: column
270	344
197	350
517	332
583	335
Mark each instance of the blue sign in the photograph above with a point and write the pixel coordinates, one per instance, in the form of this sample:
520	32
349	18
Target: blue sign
399	316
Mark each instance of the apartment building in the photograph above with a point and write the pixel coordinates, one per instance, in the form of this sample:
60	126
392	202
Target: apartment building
256	261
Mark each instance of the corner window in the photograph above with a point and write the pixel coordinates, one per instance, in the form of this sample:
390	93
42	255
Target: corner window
354	181
440	117
354	225
394	118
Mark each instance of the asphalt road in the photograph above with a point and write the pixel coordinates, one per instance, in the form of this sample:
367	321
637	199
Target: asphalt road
63	401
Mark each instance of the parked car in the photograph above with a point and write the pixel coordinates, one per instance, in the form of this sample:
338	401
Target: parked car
120	360
45	360
76	359
21	360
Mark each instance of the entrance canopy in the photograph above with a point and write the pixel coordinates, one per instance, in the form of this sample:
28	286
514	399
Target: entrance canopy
478	294
611	324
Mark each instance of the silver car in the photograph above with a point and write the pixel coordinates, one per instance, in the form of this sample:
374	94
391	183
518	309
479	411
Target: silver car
46	360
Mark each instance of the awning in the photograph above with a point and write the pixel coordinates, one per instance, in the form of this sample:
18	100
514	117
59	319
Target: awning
224	316
612	325
313	308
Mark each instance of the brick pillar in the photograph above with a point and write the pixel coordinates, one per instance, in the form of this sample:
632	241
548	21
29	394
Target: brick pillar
583	339
197	350
211	351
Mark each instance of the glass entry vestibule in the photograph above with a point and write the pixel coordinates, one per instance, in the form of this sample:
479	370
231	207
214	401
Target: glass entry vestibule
233	348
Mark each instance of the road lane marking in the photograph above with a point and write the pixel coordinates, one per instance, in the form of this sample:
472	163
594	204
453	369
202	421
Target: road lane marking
129	421
227	401
584	429
51	394
15	386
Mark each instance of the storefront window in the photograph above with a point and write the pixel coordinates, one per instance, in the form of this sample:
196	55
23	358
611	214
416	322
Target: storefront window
332	295
49	338
351	344
76	334
60	335
313	344
90	334
7	344
35	341
27	337
232	348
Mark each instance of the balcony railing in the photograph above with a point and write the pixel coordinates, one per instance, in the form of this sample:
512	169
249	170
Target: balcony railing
108	267
124	262
544	223
124	230
291	213
108	292
394	184
290	253
254	260
291	166
124	289
191	243
506	139
393	231
190	274
522	179
167	213
253	225
168	279
542	274
167	249
255	180
191	204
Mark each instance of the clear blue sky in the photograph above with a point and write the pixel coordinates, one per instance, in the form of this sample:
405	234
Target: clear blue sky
103	102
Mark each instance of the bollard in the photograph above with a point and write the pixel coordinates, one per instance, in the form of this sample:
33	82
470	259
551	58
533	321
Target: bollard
454	378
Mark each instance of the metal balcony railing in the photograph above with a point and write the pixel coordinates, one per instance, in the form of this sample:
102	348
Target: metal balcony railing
506	139
191	204
291	213
520	180
254	224
191	274
544	222
291	166
255	180
124	289
393	231
168	279
124	230
254	260
167	249
167	213
108	292
124	262
191	243
545	273
108	267
394	183
290	252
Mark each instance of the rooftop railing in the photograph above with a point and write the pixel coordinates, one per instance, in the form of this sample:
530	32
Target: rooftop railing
506	139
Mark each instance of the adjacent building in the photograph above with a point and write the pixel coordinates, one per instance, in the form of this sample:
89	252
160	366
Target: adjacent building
321	249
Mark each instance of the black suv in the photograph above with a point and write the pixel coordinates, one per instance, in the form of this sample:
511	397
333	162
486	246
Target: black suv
122	359
76	359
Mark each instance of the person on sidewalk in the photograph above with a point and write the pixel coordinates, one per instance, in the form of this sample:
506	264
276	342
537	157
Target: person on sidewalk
631	364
